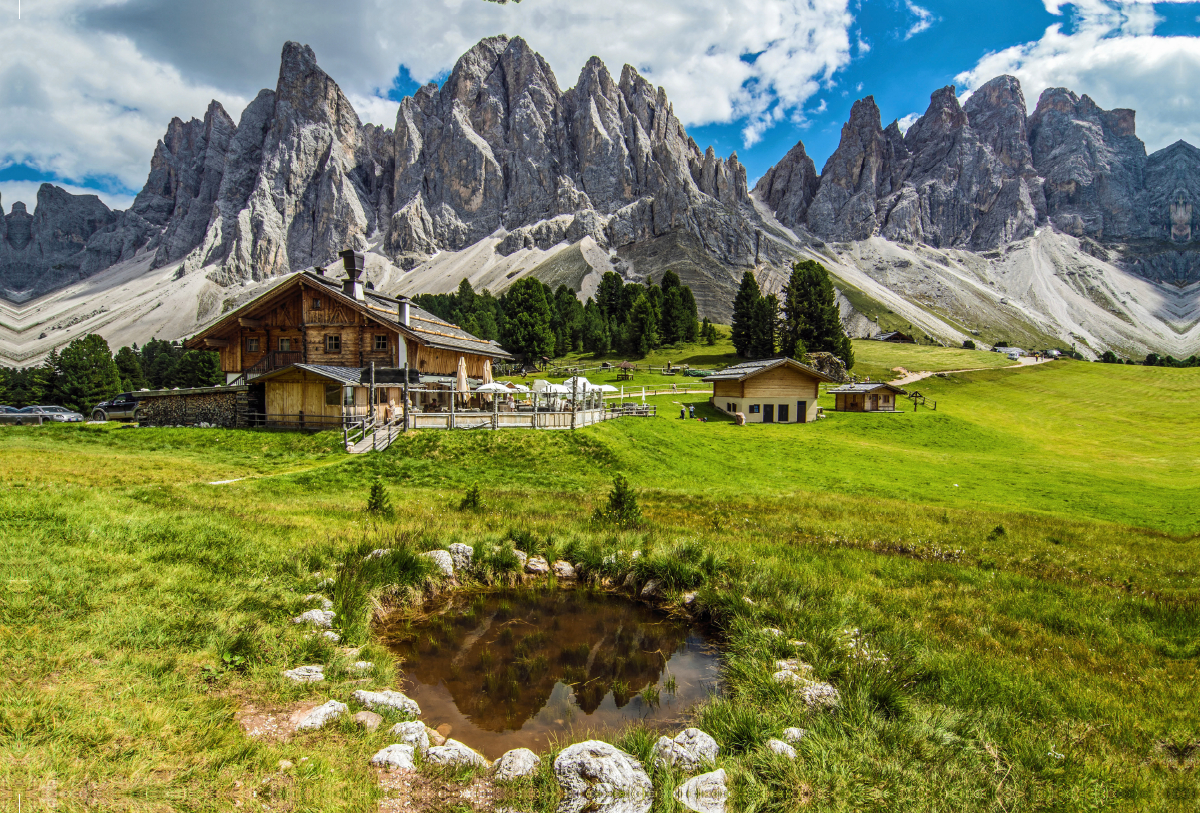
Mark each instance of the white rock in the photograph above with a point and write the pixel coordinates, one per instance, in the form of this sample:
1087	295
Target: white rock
360	666
597	776
324	583
652	589
387	699
515	764
688	751
454	753
630	580
788	677
780	747
333	636
773	632
397	757
537	566
821	695
793	734
321	715
326	604
378	553
461	556
705	793
413	734
443	561
522	557
318	618
792	665
749	601
689	599
564	570
306	674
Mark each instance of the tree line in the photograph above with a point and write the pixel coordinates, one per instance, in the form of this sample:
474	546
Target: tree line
804	320
533	320
86	372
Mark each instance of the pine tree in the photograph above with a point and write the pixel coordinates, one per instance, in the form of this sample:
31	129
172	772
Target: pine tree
130	368
643	327
595	331
690	318
811	319
196	368
527	317
763	326
87	374
743	314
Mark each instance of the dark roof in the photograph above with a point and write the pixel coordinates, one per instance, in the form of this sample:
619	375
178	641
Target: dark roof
747	369
423	326
866	386
895	335
344	375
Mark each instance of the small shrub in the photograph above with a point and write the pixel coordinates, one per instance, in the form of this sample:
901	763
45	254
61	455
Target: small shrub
996	533
378	501
968	345
622	508
472	500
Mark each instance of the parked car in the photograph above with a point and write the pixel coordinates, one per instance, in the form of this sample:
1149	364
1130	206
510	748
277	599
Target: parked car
118	408
53	413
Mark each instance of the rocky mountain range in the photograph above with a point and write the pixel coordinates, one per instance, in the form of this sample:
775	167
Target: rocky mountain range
1052	226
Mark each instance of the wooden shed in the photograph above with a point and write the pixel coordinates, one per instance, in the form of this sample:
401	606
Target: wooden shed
778	390
869	396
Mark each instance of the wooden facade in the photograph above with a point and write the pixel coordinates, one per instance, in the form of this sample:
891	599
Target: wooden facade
773	391
879	397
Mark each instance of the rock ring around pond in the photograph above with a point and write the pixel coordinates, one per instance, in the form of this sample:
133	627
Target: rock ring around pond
515	764
387	699
705	793
690	749
454	754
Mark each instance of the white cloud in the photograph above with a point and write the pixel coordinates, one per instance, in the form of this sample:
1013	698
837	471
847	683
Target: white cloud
907	121
88	86
923	19
1113	56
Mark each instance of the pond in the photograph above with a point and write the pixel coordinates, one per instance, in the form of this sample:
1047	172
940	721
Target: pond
514	668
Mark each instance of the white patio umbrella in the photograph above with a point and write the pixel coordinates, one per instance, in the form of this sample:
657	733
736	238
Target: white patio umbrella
492	386
514	387
607	388
487	377
556	389
578	382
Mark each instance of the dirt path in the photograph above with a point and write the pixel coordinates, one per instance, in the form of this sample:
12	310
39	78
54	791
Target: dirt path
912	378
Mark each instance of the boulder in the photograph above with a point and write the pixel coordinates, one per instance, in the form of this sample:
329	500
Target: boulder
688	751
306	674
378	553
397	757
819	695
461	556
793	735
387	699
780	747
515	764
414	734
358	667
705	793
321	715
596	776
368	720
689	600
537	566
454	754
443	561
435	737
652	589
318	618
564	570
332	636
522	557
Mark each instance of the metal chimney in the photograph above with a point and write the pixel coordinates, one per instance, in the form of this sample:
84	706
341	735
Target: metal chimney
404	315
355	263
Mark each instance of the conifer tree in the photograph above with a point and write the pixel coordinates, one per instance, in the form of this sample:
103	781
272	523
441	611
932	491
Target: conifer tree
743	314
811	320
86	374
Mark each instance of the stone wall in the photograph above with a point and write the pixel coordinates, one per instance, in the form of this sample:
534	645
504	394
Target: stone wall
211	406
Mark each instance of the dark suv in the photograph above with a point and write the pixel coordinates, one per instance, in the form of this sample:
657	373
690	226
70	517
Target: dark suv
118	408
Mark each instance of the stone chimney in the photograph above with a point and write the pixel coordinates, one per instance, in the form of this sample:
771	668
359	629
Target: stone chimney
355	263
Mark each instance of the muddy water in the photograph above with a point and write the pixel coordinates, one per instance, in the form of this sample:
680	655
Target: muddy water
513	669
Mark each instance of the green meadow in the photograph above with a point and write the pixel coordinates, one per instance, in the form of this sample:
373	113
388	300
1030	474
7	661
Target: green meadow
1004	590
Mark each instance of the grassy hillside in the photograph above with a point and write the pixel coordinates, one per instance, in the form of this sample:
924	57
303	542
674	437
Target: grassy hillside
1025	557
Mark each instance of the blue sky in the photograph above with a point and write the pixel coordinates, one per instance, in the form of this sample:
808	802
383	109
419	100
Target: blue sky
88	86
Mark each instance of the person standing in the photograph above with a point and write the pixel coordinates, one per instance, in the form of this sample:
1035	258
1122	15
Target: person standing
692	410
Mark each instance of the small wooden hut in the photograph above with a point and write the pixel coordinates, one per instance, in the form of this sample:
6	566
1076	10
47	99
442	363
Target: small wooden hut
778	390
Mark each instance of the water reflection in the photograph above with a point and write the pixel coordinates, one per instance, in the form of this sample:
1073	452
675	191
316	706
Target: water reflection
510	669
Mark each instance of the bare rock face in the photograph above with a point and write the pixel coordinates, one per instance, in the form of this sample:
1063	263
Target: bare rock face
1093	164
789	187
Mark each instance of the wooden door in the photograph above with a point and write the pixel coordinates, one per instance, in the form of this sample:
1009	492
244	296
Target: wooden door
768	413
783	413
802	411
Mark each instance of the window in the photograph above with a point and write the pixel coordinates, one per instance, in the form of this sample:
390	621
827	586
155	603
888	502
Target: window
333	395
316	303
381	342
348	396
333	343
252	345
754	409
285	344
382	394
731	407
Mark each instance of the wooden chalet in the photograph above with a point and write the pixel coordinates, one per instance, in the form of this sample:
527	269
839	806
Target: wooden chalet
307	347
895	337
778	390
868	396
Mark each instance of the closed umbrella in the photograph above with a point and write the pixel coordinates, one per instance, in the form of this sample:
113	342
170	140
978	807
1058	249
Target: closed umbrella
462	378
487	377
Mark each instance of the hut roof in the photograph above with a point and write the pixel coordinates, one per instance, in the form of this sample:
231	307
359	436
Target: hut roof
867	386
748	369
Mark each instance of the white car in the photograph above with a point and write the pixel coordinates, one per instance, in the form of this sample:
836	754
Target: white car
53	413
